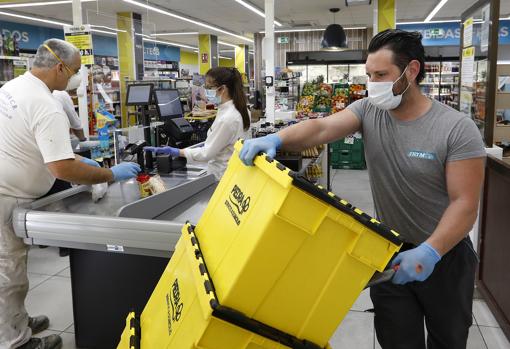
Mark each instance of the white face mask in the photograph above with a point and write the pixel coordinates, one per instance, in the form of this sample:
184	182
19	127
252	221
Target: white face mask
381	94
212	97
74	82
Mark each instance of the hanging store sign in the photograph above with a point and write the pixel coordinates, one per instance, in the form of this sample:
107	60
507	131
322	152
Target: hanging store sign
80	37
448	34
468	32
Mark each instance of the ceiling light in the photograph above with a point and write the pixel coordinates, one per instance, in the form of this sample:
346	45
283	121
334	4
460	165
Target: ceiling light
109	28
357	2
310	30
32	18
227	51
103	32
144	35
48	21
42	3
171	14
252	53
334	37
177	33
256	10
223	57
227	44
435	10
169	43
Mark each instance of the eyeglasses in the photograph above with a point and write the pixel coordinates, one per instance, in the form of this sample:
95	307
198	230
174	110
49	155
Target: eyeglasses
60	60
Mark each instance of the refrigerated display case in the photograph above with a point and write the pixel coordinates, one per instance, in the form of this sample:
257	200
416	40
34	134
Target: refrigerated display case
287	92
441	82
11	67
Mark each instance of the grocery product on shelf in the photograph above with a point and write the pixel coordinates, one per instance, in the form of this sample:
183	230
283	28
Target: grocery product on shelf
323	98
357	91
305	104
340	98
309	89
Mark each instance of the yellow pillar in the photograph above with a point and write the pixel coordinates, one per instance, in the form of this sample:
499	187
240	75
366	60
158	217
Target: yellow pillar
125	44
208	54
240	59
386	15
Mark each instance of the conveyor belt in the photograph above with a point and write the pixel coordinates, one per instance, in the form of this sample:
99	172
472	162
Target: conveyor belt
120	222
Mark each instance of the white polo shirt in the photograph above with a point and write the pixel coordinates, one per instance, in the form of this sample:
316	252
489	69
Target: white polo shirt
68	106
34	130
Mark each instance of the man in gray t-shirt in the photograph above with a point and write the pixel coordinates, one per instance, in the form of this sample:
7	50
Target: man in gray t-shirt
407	163
426	166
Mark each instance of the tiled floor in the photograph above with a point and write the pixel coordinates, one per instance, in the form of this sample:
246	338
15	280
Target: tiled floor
50	289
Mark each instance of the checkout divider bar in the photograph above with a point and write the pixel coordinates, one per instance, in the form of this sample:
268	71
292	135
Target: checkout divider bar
65	229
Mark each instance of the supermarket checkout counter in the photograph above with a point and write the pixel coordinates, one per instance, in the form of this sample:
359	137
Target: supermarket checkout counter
494	241
119	245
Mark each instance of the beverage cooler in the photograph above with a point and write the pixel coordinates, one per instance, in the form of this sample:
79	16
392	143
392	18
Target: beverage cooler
442	82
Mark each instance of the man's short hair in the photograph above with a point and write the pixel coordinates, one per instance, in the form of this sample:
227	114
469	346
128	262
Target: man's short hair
406	46
45	59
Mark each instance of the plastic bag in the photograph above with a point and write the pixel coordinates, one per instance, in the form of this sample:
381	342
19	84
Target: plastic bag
157	185
99	191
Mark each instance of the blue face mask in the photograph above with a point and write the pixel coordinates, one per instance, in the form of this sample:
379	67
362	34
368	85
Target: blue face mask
211	96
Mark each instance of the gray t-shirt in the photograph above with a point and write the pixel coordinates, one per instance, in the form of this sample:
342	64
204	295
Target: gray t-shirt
406	162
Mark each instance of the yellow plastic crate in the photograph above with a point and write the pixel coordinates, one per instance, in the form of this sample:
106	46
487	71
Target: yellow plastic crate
183	312
130	338
286	252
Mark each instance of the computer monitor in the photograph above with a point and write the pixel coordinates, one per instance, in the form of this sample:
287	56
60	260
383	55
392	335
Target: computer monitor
168	104
139	94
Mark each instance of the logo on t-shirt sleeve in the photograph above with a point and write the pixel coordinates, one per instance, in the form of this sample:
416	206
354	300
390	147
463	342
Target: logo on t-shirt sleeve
422	155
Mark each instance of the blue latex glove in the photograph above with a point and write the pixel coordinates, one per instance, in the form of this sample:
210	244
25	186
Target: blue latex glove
268	144
416	264
90	162
163	150
125	170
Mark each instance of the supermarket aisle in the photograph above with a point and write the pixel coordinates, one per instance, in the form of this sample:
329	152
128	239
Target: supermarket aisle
50	289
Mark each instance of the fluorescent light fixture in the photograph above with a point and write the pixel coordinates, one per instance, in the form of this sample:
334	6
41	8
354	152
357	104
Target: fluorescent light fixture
174	15
223	57
109	28
144	35
435	10
310	30
103	32
227	44
175	34
42	3
256	10
227	51
357	2
48	21
169	43
252	53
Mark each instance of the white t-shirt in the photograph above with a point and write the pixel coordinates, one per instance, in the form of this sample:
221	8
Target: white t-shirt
34	130
226	129
68	106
